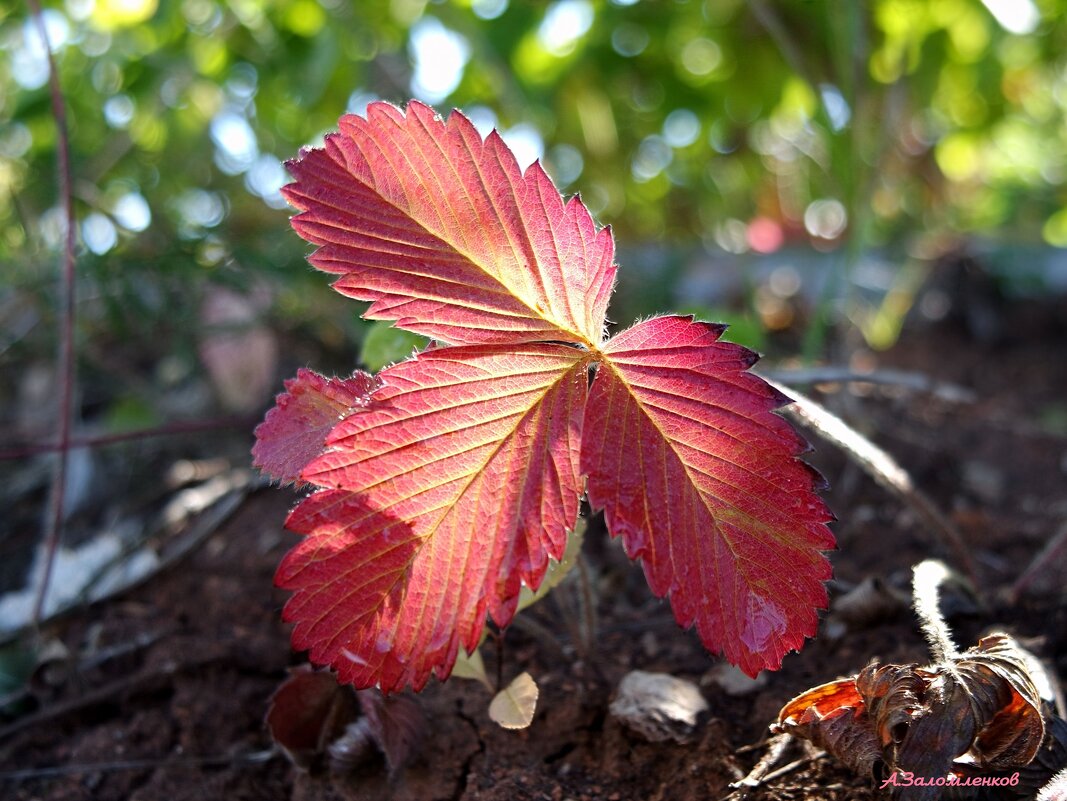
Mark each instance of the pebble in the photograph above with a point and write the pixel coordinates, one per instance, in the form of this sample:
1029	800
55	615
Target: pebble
658	706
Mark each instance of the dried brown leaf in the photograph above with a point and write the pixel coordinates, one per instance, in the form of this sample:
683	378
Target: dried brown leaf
1006	702
978	710
834	717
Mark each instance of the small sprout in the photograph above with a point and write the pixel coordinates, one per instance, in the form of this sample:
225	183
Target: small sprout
307	712
312	717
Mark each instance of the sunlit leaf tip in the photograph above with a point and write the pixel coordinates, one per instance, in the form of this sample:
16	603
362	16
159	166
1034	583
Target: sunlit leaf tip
443	234
294	430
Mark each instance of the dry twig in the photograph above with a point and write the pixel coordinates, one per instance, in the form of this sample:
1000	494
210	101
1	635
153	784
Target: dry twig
882	467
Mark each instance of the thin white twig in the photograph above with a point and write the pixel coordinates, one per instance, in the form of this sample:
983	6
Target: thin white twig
830	374
882	467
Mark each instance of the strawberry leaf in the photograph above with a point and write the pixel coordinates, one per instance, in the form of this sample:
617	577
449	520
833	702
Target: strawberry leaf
459	478
702	483
294	431
450	491
444	234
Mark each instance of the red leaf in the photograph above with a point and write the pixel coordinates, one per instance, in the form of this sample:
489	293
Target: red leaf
445	235
307	712
459	481
294	431
701	481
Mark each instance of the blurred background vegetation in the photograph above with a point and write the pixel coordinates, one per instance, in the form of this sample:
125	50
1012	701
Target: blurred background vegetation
797	166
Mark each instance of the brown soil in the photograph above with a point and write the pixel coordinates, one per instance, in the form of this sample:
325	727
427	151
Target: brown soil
180	717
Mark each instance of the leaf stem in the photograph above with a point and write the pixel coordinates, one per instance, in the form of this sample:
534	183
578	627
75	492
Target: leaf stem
927	578
65	362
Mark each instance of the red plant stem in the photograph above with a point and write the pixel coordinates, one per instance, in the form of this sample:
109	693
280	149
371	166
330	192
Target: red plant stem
65	362
189	427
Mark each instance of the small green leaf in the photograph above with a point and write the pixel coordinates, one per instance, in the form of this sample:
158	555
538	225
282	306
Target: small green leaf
557	571
471	666
384	345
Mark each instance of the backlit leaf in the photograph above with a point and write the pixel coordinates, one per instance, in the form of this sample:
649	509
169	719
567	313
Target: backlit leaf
294	431
702	483
459	480
444	234
454	487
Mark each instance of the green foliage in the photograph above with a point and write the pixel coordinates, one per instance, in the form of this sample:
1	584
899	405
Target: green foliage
847	126
383	345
